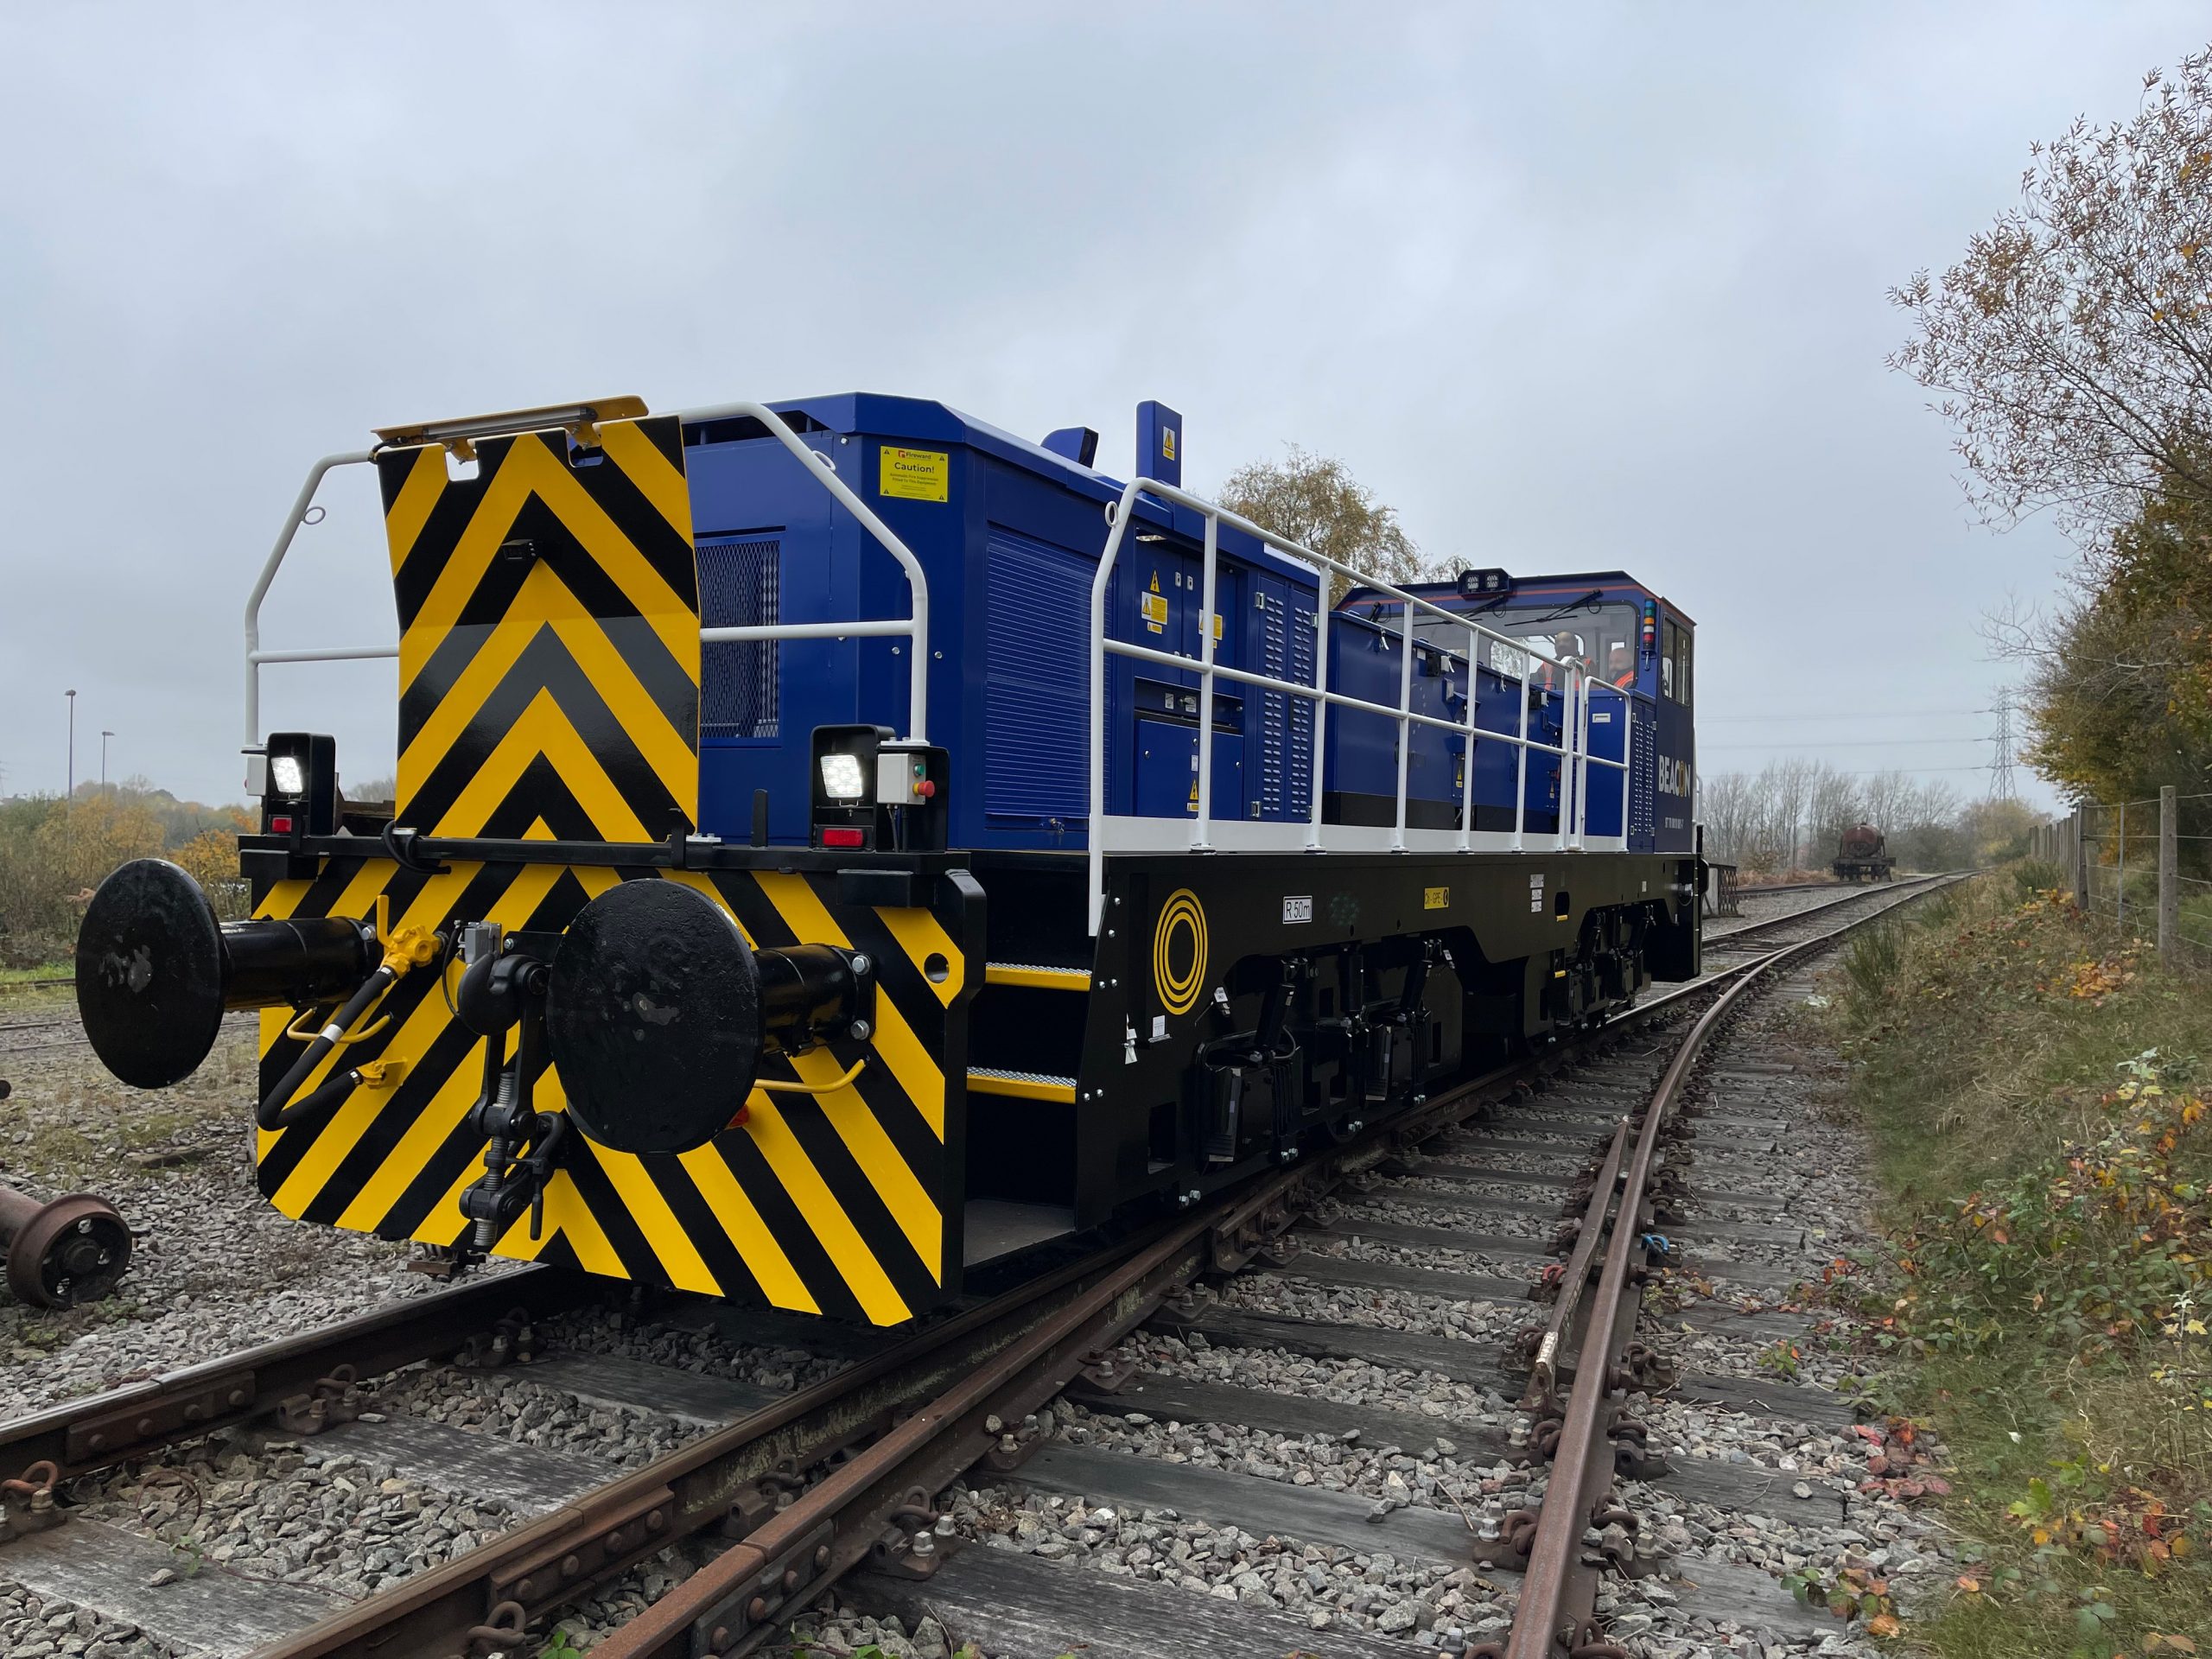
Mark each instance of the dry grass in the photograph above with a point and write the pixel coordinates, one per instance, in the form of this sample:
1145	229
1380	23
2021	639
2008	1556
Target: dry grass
2042	1309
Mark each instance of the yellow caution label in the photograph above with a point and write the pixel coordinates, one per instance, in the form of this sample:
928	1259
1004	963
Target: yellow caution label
1168	444
915	475
1216	625
1155	611
1436	898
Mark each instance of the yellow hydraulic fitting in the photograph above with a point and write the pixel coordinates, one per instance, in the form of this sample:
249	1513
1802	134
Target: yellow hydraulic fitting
410	947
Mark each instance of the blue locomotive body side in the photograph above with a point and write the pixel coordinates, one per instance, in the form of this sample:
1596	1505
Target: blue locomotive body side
845	899
1009	534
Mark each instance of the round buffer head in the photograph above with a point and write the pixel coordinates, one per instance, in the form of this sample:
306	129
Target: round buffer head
150	974
652	1017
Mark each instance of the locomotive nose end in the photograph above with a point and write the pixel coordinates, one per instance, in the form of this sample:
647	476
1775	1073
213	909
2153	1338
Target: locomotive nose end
150	974
654	1018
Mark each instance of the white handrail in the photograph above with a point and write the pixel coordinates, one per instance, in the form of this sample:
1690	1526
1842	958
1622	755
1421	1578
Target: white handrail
254	654
914	628
1571	809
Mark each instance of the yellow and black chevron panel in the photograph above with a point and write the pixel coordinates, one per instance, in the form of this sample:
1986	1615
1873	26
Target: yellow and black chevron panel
549	636
846	1204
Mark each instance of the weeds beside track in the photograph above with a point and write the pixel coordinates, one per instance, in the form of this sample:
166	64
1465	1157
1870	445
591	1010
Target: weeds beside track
2035	1084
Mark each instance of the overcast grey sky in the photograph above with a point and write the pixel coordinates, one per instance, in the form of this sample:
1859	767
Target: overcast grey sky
1572	287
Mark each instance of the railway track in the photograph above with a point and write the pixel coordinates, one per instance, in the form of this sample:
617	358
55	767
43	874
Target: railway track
1768	932
50	1034
840	1478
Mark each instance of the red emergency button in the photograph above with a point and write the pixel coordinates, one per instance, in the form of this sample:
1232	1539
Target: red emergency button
925	789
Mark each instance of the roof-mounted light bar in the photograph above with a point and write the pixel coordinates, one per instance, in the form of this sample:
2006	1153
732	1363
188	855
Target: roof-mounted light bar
1476	583
458	435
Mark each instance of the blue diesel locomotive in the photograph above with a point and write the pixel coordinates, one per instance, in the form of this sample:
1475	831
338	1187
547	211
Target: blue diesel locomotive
840	843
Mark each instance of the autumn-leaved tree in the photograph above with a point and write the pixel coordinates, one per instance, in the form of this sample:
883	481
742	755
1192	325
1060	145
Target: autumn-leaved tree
2072	346
54	853
1314	501
210	858
2071	351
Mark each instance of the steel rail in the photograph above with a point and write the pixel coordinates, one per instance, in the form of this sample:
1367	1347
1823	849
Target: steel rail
1544	1372
1908	887
1044	1332
1543	1623
1026	1342
98	1430
737	1602
730	1480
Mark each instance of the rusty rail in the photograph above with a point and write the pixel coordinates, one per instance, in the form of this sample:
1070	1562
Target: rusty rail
739	1479
102	1430
919	1413
1910	887
875	1505
736	1602
1558	1589
1544	1371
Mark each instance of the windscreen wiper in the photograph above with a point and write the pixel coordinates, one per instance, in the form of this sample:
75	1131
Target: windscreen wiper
1587	601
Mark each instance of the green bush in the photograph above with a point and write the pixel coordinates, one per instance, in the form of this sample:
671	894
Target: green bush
1871	960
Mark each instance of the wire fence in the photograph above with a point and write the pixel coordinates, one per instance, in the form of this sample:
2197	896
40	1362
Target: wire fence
2147	864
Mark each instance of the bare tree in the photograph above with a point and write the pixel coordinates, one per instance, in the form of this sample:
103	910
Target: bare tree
1929	836
1885	794
1315	501
1762	824
2072	345
1726	806
1836	804
1787	784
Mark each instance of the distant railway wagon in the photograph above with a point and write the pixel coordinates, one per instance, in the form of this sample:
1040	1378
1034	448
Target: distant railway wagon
839	844
1861	854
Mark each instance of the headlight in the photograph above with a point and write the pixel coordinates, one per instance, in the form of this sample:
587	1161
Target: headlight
290	777
841	777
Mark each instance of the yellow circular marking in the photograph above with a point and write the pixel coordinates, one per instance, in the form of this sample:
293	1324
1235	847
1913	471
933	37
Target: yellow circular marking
1179	987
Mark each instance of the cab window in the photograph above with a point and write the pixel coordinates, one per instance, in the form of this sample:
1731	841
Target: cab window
1675	662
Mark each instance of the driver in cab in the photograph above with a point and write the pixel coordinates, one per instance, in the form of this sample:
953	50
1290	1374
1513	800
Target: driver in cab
1567	647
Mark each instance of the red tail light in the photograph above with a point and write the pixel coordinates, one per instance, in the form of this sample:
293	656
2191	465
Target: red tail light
844	837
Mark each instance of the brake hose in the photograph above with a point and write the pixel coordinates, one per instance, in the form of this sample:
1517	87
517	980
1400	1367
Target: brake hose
408	948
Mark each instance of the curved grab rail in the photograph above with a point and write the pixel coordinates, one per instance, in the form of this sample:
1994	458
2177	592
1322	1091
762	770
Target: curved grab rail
821	467
916	627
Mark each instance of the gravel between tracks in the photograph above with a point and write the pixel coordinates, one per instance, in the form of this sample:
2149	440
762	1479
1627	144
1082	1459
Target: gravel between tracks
1758	906
215	1266
224	1269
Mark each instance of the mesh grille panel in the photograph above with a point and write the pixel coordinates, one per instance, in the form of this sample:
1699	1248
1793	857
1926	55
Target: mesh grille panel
738	583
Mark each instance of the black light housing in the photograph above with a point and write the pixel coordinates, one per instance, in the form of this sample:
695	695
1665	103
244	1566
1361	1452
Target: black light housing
871	793
300	798
1485	584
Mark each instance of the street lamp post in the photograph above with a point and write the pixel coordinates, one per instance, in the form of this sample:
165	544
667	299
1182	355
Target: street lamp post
71	795
104	738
